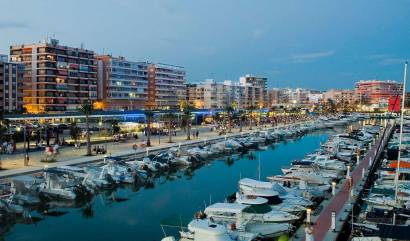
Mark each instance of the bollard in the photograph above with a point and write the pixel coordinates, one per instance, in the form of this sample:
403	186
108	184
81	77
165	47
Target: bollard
225	137
204	141
363	173
370	161
179	145
348	171
333	223
370	145
333	188
147	149
357	159
308	212
352	193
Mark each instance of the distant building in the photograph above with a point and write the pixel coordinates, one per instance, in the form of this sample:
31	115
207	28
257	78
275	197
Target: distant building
125	84
57	78
315	98
340	96
377	92
11	82
248	92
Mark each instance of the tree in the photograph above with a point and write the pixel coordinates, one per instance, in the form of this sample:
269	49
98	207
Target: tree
241	116
186	108
250	110
115	126
148	119
229	110
169	119
75	131
87	108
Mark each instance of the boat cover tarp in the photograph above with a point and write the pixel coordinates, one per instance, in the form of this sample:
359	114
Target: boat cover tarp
400	232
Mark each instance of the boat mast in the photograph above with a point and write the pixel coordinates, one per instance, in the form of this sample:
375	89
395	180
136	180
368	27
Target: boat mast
396	178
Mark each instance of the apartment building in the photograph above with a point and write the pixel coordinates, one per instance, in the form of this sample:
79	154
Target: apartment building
166	85
11	82
126	85
341	96
57	78
255	91
377	91
214	95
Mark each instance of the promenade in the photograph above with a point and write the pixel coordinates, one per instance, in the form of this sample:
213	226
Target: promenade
13	164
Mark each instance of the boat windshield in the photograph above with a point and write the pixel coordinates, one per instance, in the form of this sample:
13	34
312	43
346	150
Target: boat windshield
258	209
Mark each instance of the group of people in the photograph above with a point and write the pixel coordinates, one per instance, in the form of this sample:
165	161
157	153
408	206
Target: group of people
8	147
99	150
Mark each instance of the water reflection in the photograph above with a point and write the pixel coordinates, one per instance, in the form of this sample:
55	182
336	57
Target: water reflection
133	212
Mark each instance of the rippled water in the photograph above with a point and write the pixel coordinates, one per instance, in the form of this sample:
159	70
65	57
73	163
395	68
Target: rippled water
129	214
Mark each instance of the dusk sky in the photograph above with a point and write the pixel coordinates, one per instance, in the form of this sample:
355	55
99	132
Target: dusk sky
316	44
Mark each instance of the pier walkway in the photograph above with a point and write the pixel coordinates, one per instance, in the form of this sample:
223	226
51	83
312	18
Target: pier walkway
341	201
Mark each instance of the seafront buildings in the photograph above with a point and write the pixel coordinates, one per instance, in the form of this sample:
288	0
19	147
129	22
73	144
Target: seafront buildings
377	92
11	83
127	85
47	77
57	78
248	92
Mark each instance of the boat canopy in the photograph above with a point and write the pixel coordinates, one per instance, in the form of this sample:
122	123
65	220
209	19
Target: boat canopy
226	207
254	183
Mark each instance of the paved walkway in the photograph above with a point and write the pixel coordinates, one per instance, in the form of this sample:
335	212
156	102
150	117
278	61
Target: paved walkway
323	223
70	156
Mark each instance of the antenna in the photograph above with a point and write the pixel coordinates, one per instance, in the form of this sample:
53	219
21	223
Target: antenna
396	178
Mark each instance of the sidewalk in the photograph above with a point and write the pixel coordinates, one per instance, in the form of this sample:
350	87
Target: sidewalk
14	164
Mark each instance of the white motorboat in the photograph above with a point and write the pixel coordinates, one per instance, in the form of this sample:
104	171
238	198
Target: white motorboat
232	212
206	230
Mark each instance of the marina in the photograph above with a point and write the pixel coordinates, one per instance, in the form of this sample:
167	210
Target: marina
243	166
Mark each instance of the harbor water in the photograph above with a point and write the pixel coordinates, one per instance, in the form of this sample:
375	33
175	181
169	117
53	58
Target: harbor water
131	213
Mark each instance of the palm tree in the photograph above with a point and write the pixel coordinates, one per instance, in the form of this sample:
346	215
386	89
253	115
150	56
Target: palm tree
87	108
229	110
250	108
169	118
241	116
187	117
186	108
148	118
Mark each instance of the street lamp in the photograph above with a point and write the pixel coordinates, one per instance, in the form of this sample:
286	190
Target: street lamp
26	158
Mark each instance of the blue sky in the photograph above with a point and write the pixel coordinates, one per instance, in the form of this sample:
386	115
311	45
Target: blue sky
295	43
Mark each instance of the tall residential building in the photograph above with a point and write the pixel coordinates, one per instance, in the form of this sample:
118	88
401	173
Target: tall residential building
57	78
166	85
122	84
125	84
256	93
377	91
11	83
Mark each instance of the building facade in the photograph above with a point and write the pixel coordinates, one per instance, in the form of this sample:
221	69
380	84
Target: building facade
57	78
125	85
340	96
11	83
215	95
377	92
256	92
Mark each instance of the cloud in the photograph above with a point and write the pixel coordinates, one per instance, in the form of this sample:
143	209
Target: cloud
11	24
386	59
257	33
303	57
310	57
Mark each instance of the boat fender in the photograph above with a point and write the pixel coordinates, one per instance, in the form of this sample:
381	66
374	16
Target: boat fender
232	226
